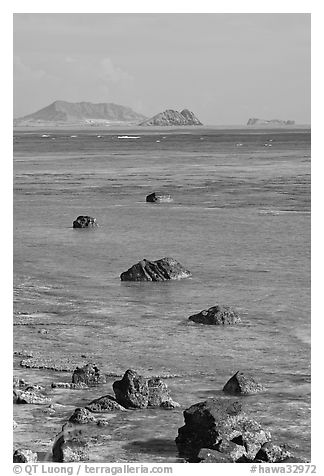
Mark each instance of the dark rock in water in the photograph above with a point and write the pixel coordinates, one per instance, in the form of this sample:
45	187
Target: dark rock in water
84	221
271	453
158	392
89	375
169	404
158	198
216	315
82	416
70	446
242	384
24	456
215	424
132	391
107	403
159	270
135	391
159	395
212	456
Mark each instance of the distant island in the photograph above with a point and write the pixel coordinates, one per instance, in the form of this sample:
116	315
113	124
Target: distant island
64	113
173	118
271	122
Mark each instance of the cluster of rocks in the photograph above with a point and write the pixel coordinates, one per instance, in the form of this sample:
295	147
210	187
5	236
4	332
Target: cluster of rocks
24	393
219	431
133	391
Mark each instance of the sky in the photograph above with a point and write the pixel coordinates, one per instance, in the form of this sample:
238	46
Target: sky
225	68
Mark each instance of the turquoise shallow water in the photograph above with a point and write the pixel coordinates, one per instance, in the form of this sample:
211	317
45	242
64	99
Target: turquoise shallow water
240	221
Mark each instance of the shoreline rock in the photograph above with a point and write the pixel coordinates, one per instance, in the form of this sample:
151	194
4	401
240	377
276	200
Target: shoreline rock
88	375
25	456
136	391
217	424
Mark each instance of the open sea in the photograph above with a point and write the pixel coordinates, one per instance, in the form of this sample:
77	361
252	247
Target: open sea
239	221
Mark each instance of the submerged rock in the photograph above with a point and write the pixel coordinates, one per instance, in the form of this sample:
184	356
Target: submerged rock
89	375
158	198
216	315
163	269
24	456
132	390
242	384
107	403
84	221
70	446
216	424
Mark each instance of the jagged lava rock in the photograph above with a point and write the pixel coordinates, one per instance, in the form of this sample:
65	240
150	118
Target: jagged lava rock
70	446
214	424
163	269
242	384
104	404
159	395
156	197
84	221
132	390
216	315
24	456
89	375
271	453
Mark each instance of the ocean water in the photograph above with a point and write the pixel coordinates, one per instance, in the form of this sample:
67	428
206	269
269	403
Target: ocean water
239	221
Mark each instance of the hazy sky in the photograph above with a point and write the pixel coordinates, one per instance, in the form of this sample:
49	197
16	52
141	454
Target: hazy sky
224	67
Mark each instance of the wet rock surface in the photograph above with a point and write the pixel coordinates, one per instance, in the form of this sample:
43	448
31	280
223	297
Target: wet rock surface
107	403
24	456
132	390
163	269
89	375
82	416
29	397
215	424
84	221
216	315
242	384
69	385
271	453
136	391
